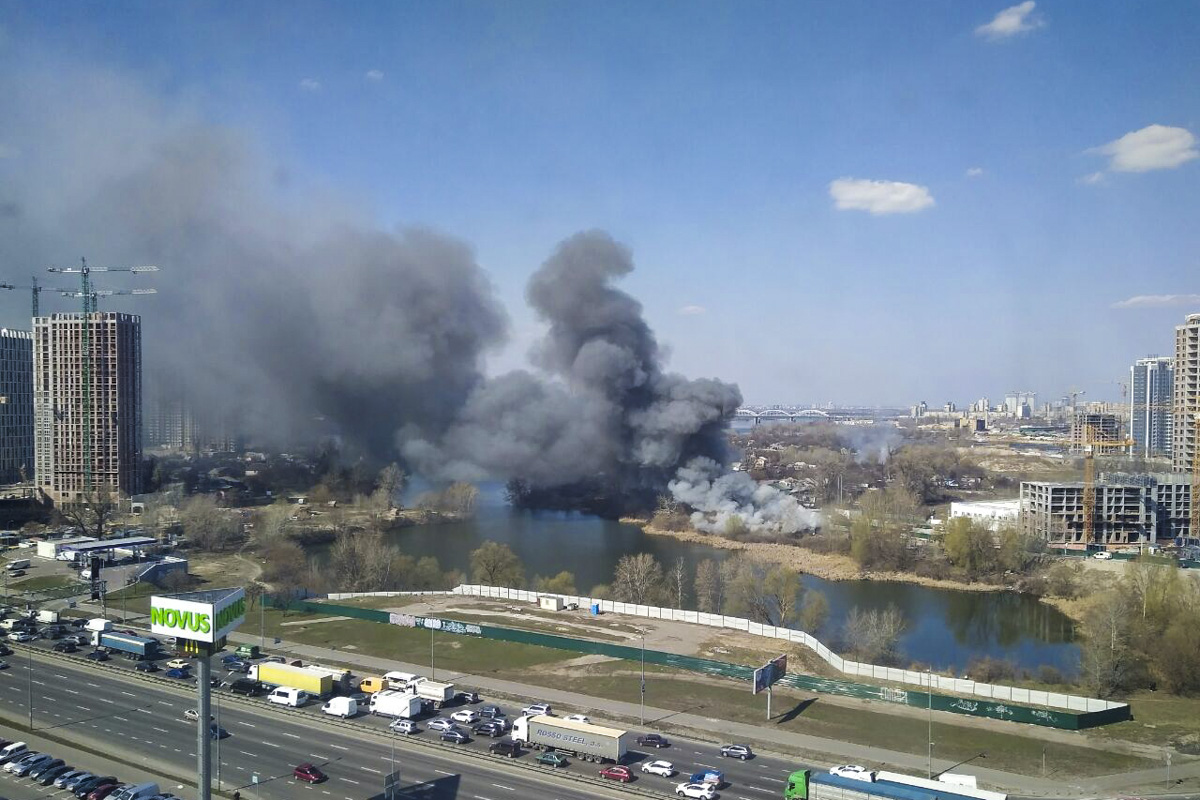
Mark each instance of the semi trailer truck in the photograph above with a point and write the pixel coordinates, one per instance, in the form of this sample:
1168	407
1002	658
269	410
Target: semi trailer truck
581	739
138	647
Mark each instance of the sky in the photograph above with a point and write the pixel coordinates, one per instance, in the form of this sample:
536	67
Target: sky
846	202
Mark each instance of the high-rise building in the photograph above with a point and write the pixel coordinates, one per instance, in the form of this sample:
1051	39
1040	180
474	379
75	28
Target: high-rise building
1186	403
1129	510
1151	385
1091	427
115	393
16	405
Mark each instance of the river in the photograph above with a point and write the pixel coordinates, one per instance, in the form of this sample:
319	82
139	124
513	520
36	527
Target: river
946	628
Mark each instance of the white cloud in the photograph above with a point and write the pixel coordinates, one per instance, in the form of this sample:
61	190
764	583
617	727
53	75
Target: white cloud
974	172
879	197
1158	301
692	311
374	75
1092	178
1153	147
1011	21
310	85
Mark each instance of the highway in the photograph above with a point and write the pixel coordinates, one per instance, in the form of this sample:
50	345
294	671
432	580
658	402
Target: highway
121	709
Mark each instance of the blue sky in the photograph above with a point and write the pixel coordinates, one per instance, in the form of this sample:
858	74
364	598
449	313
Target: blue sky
718	140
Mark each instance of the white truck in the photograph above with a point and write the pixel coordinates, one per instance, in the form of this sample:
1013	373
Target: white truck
583	740
344	707
438	693
395	704
45	615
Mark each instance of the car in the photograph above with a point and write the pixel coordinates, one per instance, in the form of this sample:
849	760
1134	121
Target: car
175	672
60	782
79	639
405	726
16	573
24	767
617	773
5	650
21	636
273	660
146	666
51	775
653	740
491	712
713	777
577	718
75	780
53	632
191	715
467	697
741	751
241	666
537	708
43	767
441	724
85	787
854	771
247	687
552	759
97	655
1103	555
308	773
103	790
490	728
230	658
466	716
3	665
78	622
455	736
179	663
27	757
703	791
664	768
218	732
65	646
510	749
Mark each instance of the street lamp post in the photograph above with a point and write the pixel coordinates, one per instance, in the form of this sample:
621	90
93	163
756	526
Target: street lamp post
642	694
29	681
432	665
929	714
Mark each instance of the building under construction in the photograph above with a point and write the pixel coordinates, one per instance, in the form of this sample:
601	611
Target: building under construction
1184	445
16	405
87	411
1094	428
1130	510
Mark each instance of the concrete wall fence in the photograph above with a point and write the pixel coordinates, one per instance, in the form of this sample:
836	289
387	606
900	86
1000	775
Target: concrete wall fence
926	681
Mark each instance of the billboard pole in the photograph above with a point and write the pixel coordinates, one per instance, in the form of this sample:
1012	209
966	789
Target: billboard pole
203	735
768	702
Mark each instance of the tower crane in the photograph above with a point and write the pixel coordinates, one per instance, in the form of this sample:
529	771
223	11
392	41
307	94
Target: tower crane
36	289
98	293
88	294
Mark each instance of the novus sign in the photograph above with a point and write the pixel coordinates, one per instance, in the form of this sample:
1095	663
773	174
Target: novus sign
200	616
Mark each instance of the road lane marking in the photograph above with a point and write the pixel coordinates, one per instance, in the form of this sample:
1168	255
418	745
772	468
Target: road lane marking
376	771
290	735
349	780
339	747
443	772
501	786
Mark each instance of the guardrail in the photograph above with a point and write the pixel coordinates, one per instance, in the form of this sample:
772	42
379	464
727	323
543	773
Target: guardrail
332	722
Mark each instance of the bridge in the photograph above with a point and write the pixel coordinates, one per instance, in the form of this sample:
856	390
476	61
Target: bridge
779	415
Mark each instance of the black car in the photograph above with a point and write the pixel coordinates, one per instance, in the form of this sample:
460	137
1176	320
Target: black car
97	655
65	647
653	740
491	712
85	788
78	622
53	632
5	650
49	775
510	749
248	687
41	769
455	736
489	728
467	697
146	666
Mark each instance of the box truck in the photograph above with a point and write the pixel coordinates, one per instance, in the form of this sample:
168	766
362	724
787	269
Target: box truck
343	681
581	739
438	693
274	674
812	785
46	615
395	704
344	707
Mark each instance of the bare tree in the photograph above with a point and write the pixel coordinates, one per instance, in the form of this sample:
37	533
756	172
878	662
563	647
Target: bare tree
91	513
208	526
637	579
764	594
389	483
678	580
707	587
872	635
1107	658
814	611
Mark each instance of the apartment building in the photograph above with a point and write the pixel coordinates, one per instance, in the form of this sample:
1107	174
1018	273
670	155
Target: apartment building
114	408
1130	510
1186	404
16	405
1151	386
1090	427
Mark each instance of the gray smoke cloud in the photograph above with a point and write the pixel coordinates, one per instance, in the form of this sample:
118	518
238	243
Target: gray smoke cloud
719	496
871	443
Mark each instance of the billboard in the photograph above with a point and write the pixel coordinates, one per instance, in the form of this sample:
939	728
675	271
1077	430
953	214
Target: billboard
769	673
199	616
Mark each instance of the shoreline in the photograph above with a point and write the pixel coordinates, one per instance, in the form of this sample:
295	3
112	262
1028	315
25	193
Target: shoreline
831	567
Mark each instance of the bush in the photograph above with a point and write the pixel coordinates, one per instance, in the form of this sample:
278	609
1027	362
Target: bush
986	669
1050	675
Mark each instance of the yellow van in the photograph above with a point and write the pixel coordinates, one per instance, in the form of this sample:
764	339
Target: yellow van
372	685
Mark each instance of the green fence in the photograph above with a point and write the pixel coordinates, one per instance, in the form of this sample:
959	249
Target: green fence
1052	718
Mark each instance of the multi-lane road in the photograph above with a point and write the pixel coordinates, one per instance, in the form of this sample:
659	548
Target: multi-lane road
143	721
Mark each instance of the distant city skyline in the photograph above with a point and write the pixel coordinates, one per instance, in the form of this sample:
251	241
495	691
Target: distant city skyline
867	203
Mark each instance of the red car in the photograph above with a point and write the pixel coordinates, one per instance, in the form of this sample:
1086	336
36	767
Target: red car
618	773
308	773
102	791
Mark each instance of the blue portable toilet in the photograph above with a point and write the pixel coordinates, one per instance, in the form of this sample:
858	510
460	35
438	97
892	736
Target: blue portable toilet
596	609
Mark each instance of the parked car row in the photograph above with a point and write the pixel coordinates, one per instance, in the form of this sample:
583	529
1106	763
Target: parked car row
45	769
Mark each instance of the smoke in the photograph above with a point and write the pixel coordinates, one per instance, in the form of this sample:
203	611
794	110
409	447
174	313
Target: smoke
288	311
720	496
871	443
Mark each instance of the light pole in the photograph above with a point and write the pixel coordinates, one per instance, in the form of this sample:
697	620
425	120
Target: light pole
29	681
432	665
929	713
262	622
642	695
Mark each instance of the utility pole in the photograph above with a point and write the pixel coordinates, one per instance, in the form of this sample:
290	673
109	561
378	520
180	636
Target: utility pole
203	729
929	714
642	695
432	665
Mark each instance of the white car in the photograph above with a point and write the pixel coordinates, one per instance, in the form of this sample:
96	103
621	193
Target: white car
405	726
536	708
663	768
703	791
577	718
853	771
21	636
179	663
1103	555
441	724
466	715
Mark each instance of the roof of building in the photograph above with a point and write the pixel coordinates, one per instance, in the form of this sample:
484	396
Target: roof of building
109	544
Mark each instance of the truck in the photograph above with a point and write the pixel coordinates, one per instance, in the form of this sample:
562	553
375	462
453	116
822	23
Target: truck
98	625
395	704
583	740
273	674
439	693
342	679
138	647
807	784
46	615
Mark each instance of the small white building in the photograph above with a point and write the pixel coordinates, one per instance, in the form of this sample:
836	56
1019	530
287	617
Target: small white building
549	602
995	514
50	548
